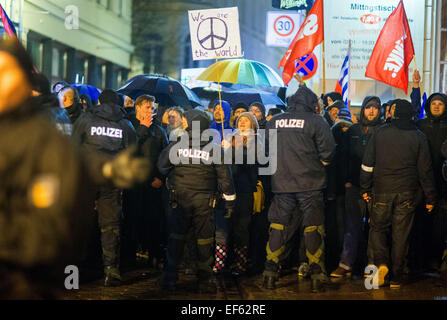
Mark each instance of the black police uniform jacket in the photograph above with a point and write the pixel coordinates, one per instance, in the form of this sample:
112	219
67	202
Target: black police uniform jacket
104	129
43	192
203	177
397	159
304	145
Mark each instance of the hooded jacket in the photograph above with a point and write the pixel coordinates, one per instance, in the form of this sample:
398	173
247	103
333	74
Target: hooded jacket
435	129
49	106
397	158
103	128
263	122
190	167
337	169
74	111
304	143
356	140
245	175
226	107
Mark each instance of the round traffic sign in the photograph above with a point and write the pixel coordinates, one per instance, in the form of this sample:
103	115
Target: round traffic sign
284	26
307	66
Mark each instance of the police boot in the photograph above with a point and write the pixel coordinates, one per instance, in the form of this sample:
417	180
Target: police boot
220	256
112	277
318	278
269	283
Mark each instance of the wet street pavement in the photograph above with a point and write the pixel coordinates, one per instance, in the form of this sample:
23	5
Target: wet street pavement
142	284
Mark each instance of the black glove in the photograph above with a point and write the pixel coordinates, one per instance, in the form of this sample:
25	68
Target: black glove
230	203
126	170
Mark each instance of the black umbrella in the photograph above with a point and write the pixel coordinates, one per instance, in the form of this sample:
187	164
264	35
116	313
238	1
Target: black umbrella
167	91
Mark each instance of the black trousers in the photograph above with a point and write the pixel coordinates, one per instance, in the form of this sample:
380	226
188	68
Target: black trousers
193	217
397	211
283	226
109	207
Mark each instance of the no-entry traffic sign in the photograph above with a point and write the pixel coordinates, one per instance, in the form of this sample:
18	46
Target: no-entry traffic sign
307	66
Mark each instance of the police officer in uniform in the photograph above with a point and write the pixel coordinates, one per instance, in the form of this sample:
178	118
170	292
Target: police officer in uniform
104	129
44	187
193	178
305	145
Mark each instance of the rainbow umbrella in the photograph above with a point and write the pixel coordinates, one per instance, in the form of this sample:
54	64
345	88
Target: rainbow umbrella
242	71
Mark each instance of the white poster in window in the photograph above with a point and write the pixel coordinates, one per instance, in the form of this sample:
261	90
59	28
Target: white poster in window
362	22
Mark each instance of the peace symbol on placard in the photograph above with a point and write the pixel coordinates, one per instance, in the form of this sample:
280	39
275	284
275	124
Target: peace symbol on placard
212	33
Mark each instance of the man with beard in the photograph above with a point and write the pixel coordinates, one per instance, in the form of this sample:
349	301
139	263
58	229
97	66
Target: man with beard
396	164
434	126
357	138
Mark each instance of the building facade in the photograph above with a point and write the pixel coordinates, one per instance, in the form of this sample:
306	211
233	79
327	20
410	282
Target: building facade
162	40
75	41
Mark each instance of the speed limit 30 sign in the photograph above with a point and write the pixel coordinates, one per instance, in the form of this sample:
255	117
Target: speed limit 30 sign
282	28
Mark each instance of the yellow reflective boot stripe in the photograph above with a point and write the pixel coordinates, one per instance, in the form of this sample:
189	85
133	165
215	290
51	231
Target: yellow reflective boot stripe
274	255
315	258
276	226
203	242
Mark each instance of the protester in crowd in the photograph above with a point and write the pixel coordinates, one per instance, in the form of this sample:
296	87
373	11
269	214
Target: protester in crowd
355	142
434	126
397	159
272	112
192	200
69	99
58	86
331	111
237	110
336	174
49	104
304	146
221	120
416	94
86	102
105	130
258	110
243	147
175	122
330	114
151	140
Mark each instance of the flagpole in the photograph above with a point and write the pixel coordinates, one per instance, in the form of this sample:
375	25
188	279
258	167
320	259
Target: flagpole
220	103
324	62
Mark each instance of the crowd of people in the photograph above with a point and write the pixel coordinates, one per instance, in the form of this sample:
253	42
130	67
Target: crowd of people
120	178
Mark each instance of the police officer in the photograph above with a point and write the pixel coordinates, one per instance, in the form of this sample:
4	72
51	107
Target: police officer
104	129
305	145
194	174
44	187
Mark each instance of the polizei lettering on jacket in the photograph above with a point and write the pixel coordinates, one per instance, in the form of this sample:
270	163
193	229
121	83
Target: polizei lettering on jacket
108	132
194	153
289	123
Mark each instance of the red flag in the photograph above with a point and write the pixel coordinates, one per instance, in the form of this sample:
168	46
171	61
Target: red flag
308	37
7	24
393	51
